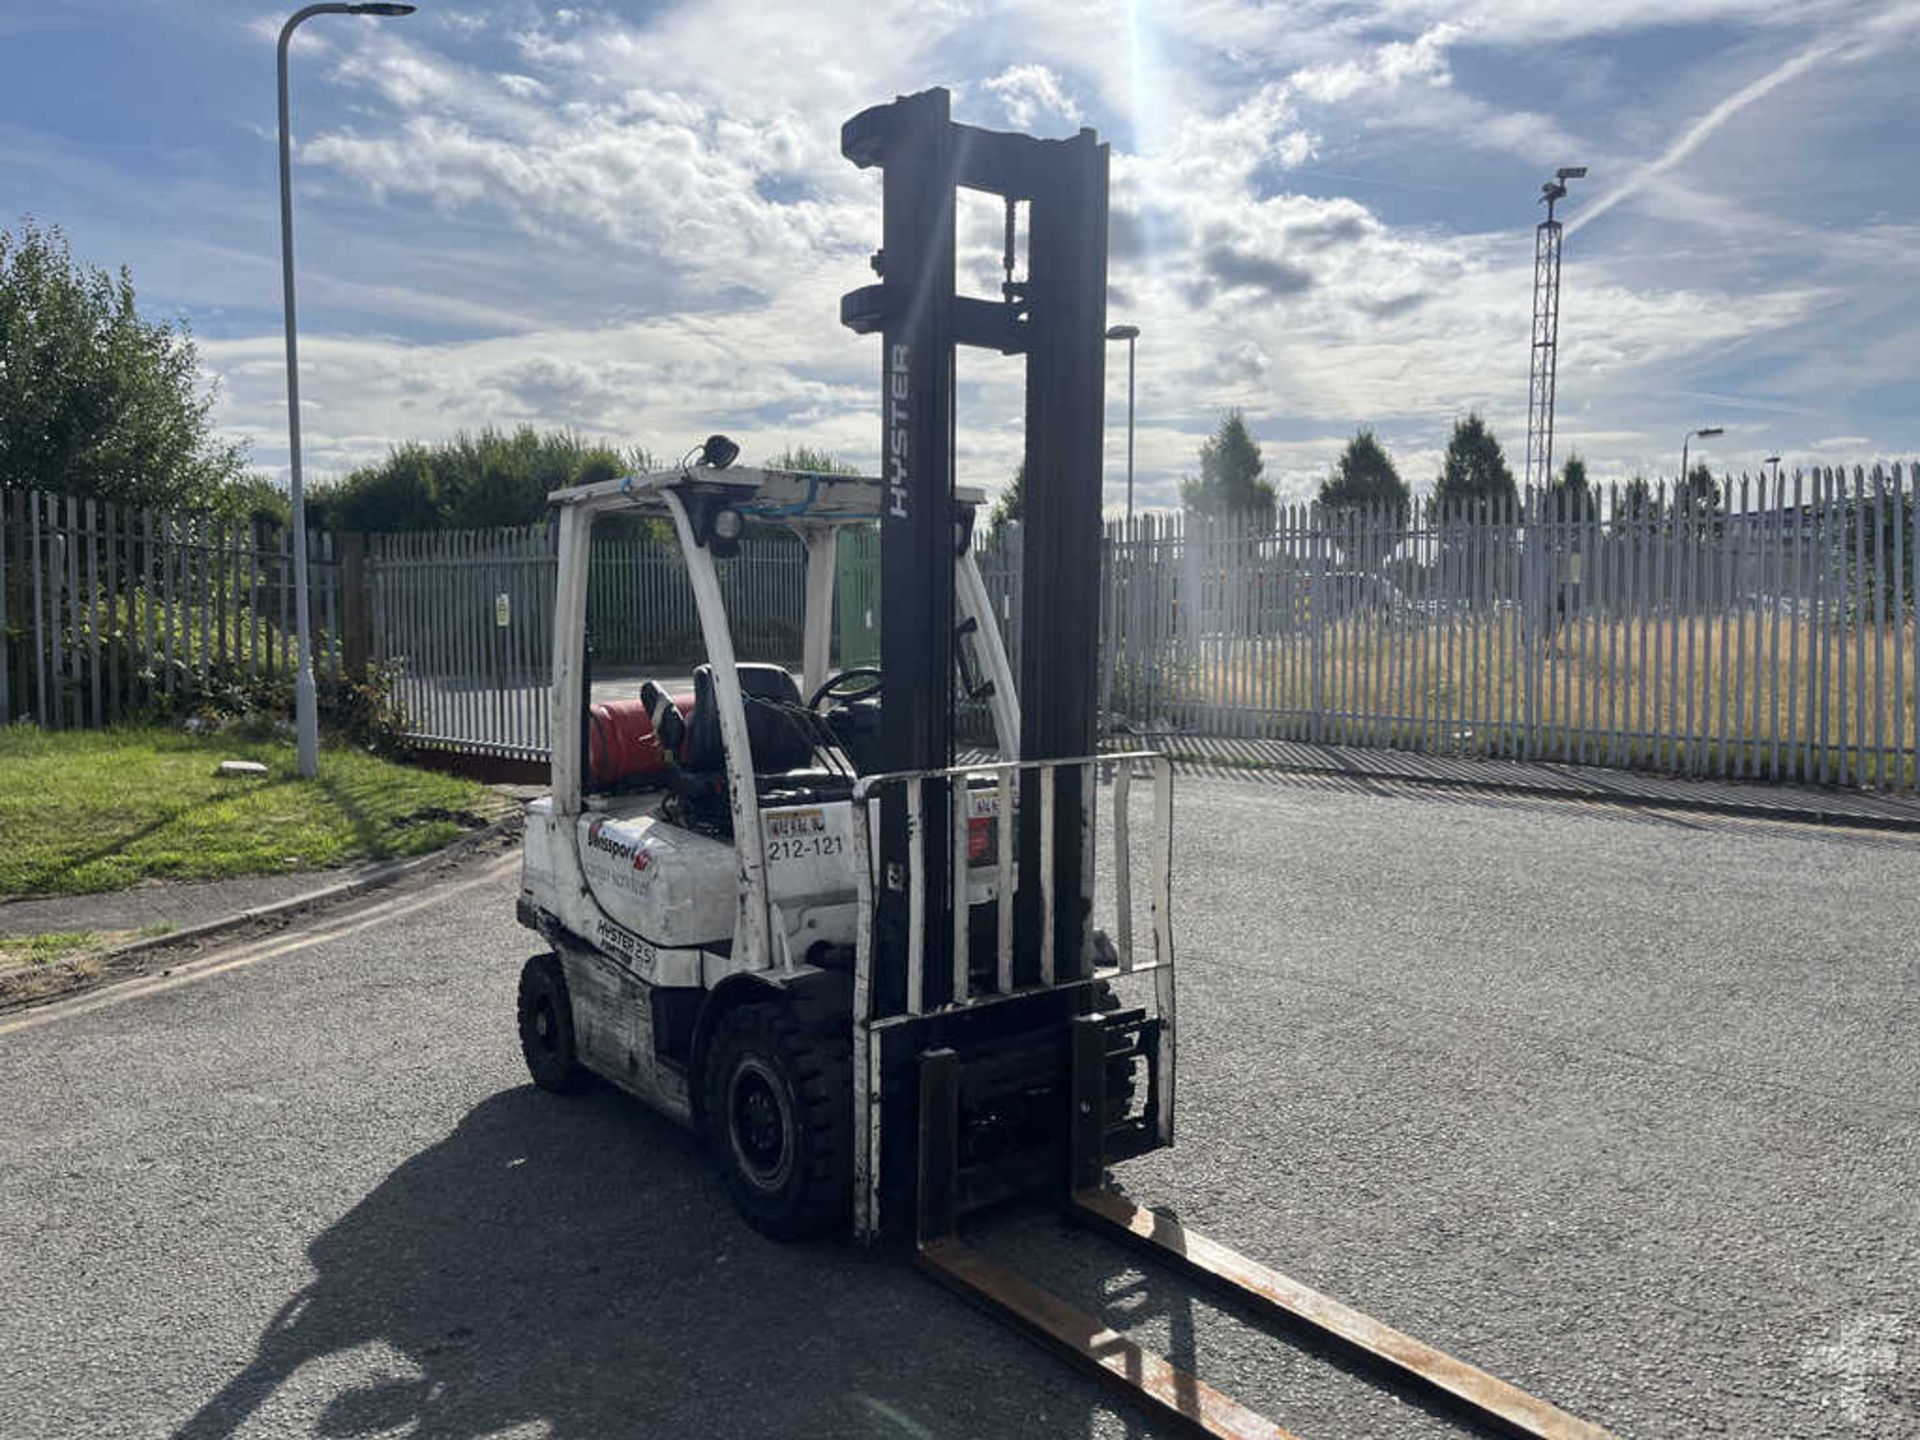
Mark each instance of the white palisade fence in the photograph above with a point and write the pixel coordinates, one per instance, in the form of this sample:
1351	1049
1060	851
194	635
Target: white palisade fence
107	611
1763	632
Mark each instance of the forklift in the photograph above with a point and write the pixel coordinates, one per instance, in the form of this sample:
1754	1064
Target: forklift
801	917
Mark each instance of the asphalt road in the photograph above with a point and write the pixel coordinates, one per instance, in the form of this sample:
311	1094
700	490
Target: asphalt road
1622	1107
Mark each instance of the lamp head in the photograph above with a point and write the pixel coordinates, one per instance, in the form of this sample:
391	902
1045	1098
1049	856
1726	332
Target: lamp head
1124	332
719	452
382	9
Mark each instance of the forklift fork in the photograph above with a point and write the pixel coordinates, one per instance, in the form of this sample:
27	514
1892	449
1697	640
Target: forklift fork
1139	1375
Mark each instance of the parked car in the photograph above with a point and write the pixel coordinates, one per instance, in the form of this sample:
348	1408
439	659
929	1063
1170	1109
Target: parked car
1358	592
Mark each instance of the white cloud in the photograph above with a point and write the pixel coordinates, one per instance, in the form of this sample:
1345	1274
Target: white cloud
1030	92
1696	134
1386	68
715	222
523	87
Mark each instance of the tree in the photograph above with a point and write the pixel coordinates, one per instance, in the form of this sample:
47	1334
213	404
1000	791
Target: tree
1230	482
809	461
1010	507
1474	469
1700	494
1696	504
1637	500
96	401
1365	476
1572	493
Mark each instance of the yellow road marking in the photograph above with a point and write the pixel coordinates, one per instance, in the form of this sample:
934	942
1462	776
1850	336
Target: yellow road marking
393	908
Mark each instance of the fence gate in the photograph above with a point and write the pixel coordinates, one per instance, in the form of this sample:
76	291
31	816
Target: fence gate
463	620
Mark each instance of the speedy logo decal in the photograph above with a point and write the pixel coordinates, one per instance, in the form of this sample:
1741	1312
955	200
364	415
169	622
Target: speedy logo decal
608	845
632	861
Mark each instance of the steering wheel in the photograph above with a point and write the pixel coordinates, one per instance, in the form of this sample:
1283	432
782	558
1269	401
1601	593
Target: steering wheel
839	689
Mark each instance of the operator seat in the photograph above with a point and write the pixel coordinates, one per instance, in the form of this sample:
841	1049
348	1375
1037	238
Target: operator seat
780	733
777	732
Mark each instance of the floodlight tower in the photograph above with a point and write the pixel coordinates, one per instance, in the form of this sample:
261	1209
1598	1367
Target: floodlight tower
1546	331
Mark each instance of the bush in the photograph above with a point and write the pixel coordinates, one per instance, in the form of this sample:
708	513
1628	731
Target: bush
199	671
364	714
492	478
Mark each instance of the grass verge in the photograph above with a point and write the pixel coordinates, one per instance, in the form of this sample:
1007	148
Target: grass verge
84	811
43	949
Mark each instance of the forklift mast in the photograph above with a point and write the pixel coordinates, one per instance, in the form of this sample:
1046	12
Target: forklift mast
1056	318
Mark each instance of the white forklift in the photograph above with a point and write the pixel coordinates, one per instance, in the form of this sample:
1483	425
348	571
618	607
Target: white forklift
797	916
703	863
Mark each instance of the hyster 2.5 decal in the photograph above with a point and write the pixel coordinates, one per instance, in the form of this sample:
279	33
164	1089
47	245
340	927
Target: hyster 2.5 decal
619	941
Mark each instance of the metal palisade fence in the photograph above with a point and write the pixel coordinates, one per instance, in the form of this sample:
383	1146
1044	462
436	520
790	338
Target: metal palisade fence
107	611
464	618
1765	630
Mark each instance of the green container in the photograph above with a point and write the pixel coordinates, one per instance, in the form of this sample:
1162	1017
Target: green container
857	597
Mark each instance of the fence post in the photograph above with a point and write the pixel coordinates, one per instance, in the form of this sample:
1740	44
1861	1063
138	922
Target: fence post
1108	624
1316	622
6	634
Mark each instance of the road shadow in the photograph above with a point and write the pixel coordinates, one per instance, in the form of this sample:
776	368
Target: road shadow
1278	1366
574	1263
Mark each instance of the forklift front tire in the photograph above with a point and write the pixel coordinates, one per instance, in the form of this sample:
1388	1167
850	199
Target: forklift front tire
778	1109
546	1028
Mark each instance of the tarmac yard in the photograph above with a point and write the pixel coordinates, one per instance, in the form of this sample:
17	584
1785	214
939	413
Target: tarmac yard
1621	1106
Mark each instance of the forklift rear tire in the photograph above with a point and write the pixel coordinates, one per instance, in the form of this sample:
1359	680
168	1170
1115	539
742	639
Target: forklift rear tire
546	1028
779	1112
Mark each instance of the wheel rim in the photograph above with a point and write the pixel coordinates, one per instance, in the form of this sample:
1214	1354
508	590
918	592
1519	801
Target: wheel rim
758	1124
545	1025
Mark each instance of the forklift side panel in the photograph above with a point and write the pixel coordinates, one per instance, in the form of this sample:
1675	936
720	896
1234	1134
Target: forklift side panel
613	1028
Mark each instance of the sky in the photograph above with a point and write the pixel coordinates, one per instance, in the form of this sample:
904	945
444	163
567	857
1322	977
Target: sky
633	220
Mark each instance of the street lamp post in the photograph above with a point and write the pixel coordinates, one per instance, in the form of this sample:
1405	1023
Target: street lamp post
1128	333
305	722
1705	433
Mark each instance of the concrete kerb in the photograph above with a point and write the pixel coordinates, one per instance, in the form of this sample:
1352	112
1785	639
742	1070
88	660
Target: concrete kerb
326	894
